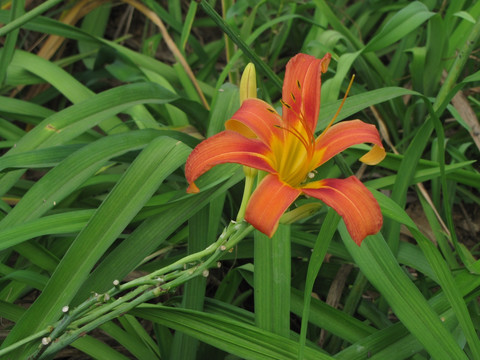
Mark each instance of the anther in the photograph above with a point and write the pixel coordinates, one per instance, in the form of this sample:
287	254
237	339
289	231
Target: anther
293	97
298	85
285	104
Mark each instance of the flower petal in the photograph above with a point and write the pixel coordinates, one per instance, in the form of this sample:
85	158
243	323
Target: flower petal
268	203
301	89
255	119
225	147
374	156
345	134
351	200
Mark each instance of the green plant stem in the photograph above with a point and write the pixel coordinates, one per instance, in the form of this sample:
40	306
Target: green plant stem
24	341
99	309
247	191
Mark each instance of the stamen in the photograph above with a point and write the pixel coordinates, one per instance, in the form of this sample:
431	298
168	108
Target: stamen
293	97
340	108
298	85
311	137
285	104
297	134
271	110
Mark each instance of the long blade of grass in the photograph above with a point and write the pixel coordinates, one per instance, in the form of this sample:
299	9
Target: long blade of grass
272	264
381	268
238	338
147	237
259	64
11	40
319	251
159	159
185	347
19	21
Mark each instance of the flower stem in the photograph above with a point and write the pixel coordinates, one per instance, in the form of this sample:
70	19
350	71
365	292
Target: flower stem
102	308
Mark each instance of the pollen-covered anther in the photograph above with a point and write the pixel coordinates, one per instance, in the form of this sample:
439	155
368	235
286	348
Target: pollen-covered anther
285	104
311	175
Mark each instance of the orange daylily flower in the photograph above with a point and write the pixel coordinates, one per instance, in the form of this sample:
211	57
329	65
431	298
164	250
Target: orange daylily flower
286	148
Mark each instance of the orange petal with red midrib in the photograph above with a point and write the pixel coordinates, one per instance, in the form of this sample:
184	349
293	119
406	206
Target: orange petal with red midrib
347	133
225	147
301	89
352	201
269	201
255	119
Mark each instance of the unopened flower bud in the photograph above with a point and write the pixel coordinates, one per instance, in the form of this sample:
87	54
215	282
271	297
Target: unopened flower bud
248	83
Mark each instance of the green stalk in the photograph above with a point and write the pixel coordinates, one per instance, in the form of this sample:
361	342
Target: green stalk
100	309
184	346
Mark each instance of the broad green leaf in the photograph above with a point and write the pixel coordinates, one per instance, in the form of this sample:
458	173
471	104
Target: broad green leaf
146	238
358	103
402	23
157	160
68	222
232	336
272	273
381	268
465	15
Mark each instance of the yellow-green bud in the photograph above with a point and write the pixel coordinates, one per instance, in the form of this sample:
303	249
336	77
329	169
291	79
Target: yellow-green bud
248	83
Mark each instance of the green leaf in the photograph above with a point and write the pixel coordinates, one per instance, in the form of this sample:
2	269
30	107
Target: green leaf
465	15
272	267
403	22
359	102
159	159
232	336
379	265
